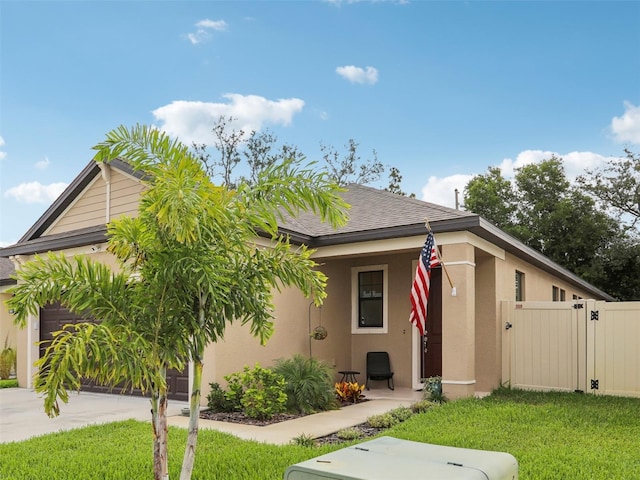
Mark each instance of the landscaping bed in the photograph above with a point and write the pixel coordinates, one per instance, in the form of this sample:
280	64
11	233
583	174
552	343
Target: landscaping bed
241	417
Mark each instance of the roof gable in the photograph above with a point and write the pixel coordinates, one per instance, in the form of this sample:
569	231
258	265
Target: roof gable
69	196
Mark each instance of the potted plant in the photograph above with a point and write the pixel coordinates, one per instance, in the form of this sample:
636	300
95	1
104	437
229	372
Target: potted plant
319	333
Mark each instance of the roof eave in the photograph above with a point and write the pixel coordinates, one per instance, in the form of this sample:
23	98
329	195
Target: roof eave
78	238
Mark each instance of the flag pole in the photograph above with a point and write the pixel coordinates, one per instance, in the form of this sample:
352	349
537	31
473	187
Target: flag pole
444	267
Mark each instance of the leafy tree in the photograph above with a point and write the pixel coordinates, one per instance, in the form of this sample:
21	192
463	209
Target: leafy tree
189	266
616	269
491	197
617	186
545	212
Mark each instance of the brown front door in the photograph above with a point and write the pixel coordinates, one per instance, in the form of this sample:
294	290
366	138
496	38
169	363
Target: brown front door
54	317
432	358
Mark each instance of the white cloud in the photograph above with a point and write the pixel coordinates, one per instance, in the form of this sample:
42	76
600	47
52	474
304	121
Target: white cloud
441	190
2	154
42	164
193	121
218	25
627	127
575	163
358	75
204	29
35	192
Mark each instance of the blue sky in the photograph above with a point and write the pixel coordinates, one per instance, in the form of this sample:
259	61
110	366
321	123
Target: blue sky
441	90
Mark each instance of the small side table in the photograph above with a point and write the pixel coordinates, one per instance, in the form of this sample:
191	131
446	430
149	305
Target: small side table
349	376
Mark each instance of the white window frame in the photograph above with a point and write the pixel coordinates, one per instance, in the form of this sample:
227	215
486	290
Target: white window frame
355	328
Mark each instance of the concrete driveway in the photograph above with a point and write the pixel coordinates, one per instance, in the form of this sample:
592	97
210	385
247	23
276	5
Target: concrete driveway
22	412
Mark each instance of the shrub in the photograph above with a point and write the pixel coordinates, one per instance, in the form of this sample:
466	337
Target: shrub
304	440
217	400
9	383
260	392
422	406
350	433
384	420
349	391
401	413
308	385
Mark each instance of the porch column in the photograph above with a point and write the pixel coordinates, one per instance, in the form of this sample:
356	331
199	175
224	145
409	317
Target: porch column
458	321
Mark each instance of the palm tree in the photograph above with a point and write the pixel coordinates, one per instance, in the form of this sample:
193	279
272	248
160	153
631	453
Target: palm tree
189	265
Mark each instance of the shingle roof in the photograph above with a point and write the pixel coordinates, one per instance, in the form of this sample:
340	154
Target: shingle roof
374	215
6	270
373	209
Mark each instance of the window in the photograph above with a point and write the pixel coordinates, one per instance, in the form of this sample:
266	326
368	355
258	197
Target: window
558	294
519	286
369	299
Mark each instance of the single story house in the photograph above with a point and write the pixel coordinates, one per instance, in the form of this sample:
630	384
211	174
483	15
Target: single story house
370	264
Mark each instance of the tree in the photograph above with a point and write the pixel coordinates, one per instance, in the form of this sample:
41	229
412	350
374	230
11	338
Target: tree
617	186
491	197
616	270
349	168
545	212
395	179
190	247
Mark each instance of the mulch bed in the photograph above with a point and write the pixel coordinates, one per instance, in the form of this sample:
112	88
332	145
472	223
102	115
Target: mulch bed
239	417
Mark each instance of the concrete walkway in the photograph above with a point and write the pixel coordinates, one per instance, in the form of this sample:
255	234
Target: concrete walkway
22	415
22	412
316	425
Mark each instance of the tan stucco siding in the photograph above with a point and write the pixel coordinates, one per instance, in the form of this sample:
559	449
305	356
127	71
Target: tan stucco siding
8	330
291	335
342	349
88	210
488	343
125	194
397	340
538	284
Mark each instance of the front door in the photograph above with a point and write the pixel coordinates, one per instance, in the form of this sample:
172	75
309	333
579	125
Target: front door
432	357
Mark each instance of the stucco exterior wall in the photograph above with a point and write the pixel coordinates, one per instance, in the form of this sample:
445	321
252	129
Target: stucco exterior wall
537	283
8	330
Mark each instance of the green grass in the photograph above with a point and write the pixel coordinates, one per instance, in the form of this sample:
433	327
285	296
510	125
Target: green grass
552	435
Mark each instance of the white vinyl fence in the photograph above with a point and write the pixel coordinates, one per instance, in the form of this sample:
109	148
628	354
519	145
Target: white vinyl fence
585	345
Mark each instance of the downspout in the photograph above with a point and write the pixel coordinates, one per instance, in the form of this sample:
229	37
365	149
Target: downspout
106	176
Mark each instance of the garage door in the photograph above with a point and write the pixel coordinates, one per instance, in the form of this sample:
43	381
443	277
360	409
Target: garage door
53	317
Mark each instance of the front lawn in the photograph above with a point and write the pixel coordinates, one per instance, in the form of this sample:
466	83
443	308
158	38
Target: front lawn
552	435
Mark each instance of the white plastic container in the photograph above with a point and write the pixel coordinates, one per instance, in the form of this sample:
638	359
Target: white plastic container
388	458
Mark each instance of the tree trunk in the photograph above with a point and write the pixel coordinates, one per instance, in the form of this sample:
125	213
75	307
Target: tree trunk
160	435
194	415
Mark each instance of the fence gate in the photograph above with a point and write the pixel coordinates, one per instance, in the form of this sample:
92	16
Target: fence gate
585	345
613	363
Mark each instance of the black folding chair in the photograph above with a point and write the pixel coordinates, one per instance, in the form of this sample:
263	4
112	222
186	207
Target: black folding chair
379	368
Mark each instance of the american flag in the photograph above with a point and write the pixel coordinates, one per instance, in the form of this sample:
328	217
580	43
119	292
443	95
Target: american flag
420	289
